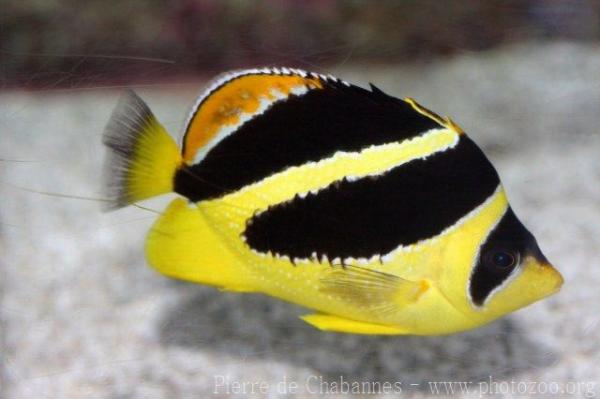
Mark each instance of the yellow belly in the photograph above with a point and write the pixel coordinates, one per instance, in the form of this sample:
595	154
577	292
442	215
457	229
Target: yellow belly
201	244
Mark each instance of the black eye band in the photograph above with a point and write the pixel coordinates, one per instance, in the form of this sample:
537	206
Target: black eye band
499	256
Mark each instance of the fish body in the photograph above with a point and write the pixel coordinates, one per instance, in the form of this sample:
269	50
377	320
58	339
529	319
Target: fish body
382	216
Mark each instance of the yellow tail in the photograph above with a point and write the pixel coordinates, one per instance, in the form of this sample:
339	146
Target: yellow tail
181	244
142	158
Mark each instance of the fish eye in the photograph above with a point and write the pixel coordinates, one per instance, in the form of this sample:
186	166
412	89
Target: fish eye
501	259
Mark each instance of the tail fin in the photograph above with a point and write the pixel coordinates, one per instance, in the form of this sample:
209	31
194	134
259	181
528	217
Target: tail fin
142	157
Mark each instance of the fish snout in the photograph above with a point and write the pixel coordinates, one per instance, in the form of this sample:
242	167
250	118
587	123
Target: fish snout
554	276
548	277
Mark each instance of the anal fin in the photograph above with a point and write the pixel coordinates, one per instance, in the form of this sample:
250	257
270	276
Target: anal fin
182	245
328	322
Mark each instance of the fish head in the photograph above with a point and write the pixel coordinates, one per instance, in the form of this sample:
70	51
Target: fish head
510	271
530	279
491	265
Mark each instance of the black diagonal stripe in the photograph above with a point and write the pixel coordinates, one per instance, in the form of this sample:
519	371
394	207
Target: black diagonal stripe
297	130
374	215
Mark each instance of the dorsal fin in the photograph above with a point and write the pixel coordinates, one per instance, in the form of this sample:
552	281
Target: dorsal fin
235	98
247	128
377	90
444	121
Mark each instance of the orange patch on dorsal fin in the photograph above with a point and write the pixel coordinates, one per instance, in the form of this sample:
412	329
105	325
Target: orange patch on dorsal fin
237	97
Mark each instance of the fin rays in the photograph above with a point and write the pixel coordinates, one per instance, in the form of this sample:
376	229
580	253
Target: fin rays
373	289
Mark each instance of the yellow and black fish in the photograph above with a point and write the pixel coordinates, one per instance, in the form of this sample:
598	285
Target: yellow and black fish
379	214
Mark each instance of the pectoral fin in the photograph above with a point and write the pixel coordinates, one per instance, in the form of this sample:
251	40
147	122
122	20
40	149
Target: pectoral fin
327	322
373	289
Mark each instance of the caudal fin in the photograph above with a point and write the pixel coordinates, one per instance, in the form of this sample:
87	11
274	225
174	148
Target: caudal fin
142	157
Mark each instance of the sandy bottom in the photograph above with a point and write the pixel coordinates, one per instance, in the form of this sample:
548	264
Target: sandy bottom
82	314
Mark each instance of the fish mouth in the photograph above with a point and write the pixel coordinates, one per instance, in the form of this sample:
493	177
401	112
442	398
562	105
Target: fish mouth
559	280
548	271
553	275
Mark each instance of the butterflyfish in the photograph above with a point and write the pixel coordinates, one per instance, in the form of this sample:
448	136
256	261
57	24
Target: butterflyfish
378	214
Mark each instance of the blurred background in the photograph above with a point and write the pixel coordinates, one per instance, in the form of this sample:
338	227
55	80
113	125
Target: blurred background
81	314
48	44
